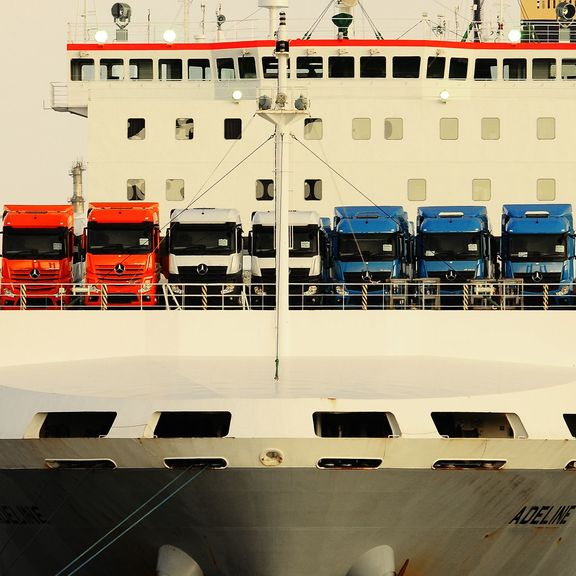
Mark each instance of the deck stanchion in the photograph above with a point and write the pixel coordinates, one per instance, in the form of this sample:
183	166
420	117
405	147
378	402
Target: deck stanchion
364	297
465	296
104	297
23	297
204	297
545	299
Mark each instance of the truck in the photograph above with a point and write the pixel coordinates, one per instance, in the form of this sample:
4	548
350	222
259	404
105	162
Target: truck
307	259
453	244
38	256
537	246
205	254
122	245
369	245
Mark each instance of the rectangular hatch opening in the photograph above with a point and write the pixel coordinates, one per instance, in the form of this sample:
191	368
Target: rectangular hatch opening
76	424
355	425
478	425
193	425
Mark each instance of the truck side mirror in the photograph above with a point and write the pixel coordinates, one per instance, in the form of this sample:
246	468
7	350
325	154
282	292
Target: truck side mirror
83	240
250	243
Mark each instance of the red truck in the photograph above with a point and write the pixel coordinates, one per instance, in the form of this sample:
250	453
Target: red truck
122	246
37	256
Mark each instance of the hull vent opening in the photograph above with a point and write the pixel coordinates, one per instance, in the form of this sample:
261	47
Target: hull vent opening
349	463
478	425
72	464
193	425
76	424
184	463
465	464
355	425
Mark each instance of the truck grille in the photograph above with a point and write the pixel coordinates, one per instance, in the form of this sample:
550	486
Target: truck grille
547	277
23	276
130	274
215	274
358	277
459	277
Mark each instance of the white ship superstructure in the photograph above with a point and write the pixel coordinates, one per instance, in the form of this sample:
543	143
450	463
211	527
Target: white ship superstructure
255	442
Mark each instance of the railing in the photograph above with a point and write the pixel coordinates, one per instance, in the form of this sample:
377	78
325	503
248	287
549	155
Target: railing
396	294
59	95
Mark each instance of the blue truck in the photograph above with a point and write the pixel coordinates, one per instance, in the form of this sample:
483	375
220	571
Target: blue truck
369	246
453	244
537	245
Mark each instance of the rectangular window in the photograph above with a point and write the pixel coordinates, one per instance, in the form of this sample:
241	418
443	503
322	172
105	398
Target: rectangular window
81	69
355	425
174	189
436	67
568	69
373	67
448	128
546	189
416	189
544	69
515	68
136	189
264	190
184	128
546	128
458	68
136	129
478	425
309	67
406	66
490	128
313	129
393	128
199	69
341	67
247	67
481	189
486	69
170	69
361	128
111	69
140	69
225	67
312	189
233	128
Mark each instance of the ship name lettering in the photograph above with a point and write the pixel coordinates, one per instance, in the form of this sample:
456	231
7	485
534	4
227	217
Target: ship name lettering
21	515
543	515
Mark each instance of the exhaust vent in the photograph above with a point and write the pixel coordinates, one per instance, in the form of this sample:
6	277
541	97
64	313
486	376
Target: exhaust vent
184	463
478	425
355	425
193	425
465	464
73	464
349	463
76	424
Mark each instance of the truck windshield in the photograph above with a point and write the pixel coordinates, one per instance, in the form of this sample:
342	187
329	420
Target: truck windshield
452	246
373	247
550	247
303	241
200	239
24	243
119	238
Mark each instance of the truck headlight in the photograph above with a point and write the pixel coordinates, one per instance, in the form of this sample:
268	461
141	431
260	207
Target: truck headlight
9	293
259	291
341	291
177	289
311	290
93	289
146	286
564	290
227	289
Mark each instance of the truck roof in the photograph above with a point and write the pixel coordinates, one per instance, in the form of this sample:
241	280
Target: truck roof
365	212
128	212
537	226
295	218
452	219
38	216
205	216
532	210
369	219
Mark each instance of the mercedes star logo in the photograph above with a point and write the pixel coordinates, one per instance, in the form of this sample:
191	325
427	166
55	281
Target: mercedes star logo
119	268
366	276
451	275
202	269
537	276
35	273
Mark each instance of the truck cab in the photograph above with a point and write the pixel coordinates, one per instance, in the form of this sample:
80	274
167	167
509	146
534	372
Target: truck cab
307	255
369	246
122	241
453	244
205	249
537	246
37	256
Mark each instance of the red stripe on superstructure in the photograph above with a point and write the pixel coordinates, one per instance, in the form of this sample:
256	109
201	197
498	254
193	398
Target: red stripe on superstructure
325	43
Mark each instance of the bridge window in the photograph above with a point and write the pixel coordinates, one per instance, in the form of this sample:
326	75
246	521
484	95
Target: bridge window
264	190
313	129
136	128
568	69
546	189
544	69
199	69
341	67
174	189
481	189
193	425
225	67
309	67
247	67
490	128
111	69
312	189
515	68
81	69
361	128
233	128
546	128
170	69
486	69
136	189
416	189
373	67
458	69
436	67
355	425
393	128
76	424
406	66
184	128
478	425
448	128
141	69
